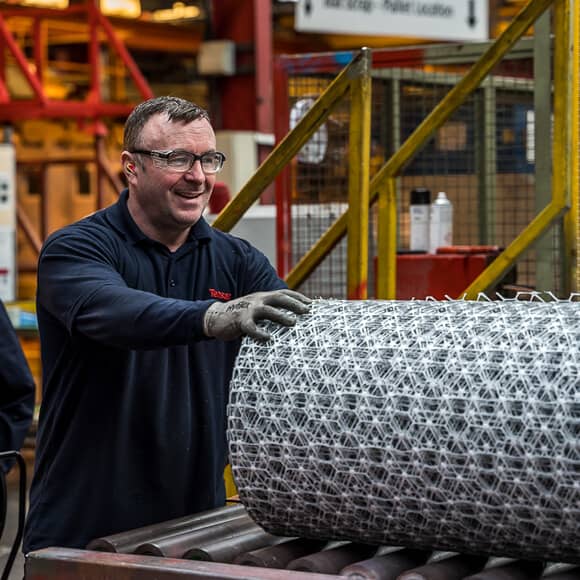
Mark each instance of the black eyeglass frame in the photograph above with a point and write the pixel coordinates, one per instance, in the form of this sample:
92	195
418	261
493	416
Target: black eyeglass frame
164	156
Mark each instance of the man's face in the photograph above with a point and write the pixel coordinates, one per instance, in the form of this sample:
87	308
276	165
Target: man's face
165	202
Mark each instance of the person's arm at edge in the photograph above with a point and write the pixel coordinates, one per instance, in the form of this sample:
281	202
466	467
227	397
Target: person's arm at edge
17	389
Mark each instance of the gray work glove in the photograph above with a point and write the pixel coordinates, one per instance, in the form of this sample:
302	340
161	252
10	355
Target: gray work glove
229	320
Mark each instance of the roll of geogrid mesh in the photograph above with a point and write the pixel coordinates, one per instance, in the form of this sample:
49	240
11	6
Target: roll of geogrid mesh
450	425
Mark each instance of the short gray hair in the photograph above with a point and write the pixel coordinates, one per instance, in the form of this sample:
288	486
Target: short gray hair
176	109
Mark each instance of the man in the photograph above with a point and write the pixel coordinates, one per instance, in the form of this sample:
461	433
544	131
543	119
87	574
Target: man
16	390
138	308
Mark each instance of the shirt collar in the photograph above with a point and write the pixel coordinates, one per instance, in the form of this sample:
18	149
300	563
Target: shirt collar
121	220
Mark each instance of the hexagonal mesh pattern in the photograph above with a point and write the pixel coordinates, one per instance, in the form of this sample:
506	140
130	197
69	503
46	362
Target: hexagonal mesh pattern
450	425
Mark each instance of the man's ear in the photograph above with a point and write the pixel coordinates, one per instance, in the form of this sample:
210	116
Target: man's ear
128	163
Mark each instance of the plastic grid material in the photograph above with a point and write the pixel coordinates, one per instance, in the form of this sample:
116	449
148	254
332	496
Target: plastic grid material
451	425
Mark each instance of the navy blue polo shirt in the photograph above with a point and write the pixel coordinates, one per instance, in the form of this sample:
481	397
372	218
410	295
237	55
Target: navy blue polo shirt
133	418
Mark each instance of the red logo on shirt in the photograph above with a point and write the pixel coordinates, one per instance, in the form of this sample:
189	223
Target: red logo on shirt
219	294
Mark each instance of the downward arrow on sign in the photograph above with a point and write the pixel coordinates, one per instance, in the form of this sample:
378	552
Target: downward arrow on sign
471	19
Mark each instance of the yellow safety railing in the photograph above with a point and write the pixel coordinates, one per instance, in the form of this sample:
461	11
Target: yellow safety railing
355	79
383	187
358	184
562	159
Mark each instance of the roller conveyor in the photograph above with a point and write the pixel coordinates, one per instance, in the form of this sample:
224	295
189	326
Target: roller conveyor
226	543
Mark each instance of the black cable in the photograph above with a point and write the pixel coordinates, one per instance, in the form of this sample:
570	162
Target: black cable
21	509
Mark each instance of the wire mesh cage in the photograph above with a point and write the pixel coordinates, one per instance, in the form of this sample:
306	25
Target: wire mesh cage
487	157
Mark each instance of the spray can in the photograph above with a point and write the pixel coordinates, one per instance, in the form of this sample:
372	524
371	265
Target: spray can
441	223
419	211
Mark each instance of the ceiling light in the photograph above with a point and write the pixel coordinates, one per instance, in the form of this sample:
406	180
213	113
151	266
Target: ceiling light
125	8
179	11
45	3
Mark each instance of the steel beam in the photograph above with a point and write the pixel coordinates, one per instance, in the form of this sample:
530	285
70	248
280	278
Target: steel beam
69	564
27	109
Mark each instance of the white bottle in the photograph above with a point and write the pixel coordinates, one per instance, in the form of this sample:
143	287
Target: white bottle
419	211
441	223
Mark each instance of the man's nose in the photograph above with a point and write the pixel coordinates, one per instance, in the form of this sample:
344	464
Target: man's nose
195	171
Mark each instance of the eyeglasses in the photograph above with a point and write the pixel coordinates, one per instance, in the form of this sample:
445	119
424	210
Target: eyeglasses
182	161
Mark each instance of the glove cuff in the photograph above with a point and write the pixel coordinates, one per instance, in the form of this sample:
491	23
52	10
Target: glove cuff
206	319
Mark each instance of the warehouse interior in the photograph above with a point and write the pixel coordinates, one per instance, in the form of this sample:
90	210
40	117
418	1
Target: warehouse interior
439	119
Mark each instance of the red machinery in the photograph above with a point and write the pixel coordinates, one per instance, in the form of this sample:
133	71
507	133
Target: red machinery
447	273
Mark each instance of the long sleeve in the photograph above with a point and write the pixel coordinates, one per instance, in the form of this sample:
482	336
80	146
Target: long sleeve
81	283
16	388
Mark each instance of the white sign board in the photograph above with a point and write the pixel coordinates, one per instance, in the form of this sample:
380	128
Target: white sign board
7	223
451	20
7	265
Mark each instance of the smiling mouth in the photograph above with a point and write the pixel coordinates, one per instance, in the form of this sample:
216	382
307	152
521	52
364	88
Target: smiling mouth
185	195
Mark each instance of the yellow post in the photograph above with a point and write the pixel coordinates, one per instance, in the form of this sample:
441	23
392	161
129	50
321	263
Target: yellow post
387	241
358	180
575	203
231	489
572	219
563	119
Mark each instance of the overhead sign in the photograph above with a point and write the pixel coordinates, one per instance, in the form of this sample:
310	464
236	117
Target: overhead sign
429	19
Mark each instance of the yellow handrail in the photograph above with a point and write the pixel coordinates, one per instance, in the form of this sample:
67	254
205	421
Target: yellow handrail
386	273
562	151
572	219
359	157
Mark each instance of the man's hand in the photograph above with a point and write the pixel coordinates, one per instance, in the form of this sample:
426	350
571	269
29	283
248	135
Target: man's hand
229	320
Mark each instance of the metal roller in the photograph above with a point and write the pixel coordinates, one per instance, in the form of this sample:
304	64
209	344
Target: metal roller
332	560
128	542
226	549
281	555
385	567
176	545
516	570
563	574
454	567
435	425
